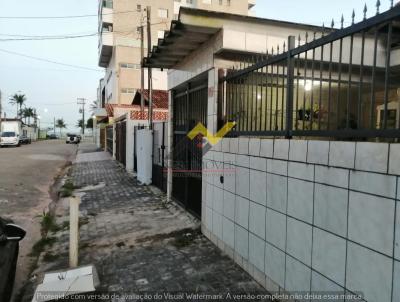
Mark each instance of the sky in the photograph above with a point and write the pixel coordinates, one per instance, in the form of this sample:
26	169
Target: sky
53	89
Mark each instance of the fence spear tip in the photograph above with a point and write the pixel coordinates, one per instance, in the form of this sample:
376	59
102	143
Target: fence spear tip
365	11
353	15
378	4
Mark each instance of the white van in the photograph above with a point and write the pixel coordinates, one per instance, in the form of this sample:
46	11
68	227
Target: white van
10	133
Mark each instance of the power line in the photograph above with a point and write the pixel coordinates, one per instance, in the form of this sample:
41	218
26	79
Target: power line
65	36
48	61
66	17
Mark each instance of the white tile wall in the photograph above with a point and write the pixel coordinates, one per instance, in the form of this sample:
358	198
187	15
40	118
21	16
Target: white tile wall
396	284
225	144
342	154
218	204
277	192
229	205
301	171
332	176
244	145
258	187
254	146
372	157
234	145
241	241
329	255
258	163
394	159
267	148
228	230
298	150
256	252
265	239
318	152
242	209
243	182
300	199
397	240
257	219
243	161
298	276
371	221
330	209
276	229
370	273
321	284
277	166
281	149
217	224
379	184
275	264
299	240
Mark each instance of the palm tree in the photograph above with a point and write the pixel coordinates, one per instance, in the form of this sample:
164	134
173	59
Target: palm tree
79	124
93	106
60	124
19	100
27	113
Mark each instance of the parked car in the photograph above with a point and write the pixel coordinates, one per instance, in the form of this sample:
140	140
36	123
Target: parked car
53	136
9	138
25	140
73	139
10	236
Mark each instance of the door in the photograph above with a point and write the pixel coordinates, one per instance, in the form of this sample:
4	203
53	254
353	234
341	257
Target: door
190	108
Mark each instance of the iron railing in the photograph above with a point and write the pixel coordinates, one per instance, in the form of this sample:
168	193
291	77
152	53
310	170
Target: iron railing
340	83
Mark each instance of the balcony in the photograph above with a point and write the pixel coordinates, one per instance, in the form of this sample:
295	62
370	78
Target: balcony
106	42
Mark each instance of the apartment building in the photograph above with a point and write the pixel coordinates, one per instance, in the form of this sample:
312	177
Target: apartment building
120	40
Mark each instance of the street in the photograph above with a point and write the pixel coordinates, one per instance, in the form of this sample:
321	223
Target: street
28	172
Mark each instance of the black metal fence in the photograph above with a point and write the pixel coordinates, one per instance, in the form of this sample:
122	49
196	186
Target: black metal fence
110	139
340	83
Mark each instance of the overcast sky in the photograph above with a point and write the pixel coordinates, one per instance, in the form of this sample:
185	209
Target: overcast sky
53	89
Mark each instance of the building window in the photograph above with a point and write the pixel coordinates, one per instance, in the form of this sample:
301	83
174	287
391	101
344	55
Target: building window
189	1
130	65
107	27
221	2
139	8
108	3
128	90
228	2
163	13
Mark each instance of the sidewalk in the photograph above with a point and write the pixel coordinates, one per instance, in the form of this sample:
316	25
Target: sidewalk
135	241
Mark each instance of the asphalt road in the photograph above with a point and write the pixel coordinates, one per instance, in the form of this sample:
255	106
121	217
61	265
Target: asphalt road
26	175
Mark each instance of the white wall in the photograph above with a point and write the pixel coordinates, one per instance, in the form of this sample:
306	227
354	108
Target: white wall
308	216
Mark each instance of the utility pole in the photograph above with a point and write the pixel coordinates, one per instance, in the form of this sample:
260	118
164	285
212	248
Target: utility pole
82	101
150	76
54	129
141	29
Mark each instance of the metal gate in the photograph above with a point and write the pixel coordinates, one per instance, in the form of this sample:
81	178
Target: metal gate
120	153
190	108
110	139
102	138
159	147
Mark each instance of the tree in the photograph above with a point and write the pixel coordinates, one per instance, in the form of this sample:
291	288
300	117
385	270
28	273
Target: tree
79	124
27	113
61	124
19	100
89	123
93	106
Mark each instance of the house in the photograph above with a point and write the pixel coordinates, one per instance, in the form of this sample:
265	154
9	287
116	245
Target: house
303	190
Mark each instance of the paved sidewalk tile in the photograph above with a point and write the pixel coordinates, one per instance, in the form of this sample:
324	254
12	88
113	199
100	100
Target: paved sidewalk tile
136	242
